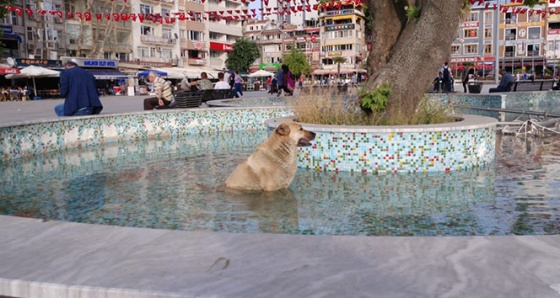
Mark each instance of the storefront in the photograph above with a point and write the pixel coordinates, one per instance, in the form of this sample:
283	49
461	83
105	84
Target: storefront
109	79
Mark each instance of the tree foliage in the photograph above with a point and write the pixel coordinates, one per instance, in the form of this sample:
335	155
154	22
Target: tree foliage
338	60
244	53
297	62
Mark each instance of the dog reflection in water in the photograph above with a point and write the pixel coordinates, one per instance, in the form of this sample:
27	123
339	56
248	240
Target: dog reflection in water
273	165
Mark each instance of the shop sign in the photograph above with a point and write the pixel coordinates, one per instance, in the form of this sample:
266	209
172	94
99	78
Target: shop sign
334	54
39	62
221	47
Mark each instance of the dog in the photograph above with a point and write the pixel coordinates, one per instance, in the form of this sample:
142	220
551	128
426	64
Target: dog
273	165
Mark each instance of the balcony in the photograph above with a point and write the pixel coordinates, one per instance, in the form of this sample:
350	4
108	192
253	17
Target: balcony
157	40
159	2
194	61
348	11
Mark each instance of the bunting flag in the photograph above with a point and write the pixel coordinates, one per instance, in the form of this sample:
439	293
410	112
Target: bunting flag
244	14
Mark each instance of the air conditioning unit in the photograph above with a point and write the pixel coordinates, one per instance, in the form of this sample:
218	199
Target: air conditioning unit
158	49
58	20
30	46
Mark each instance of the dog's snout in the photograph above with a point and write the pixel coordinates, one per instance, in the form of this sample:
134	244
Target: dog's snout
311	135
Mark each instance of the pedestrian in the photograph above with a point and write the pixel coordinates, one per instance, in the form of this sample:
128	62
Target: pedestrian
221	84
447	81
238	91
164	93
79	90
465	78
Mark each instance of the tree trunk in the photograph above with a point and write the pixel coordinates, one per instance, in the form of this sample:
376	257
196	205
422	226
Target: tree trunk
407	54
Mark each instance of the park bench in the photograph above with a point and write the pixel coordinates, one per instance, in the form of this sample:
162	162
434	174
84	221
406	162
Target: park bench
320	90
537	85
193	99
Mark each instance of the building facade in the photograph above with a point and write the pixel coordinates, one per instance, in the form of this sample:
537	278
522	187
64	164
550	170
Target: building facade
342	34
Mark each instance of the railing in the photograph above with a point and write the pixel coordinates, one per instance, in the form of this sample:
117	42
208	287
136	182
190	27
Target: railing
157	40
195	61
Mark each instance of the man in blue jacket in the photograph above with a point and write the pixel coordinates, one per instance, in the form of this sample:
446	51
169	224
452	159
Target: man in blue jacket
78	87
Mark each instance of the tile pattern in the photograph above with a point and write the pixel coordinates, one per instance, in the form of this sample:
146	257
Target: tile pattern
36	138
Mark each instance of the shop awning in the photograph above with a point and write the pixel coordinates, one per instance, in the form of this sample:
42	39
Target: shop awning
107	74
12	35
334	71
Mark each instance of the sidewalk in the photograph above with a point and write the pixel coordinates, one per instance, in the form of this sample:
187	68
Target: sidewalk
34	110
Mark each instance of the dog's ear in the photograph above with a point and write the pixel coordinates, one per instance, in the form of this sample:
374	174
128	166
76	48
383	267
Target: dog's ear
283	129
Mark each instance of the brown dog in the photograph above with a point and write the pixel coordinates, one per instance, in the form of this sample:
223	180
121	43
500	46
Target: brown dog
273	165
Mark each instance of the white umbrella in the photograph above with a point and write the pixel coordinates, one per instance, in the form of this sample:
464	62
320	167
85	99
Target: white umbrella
261	73
33	71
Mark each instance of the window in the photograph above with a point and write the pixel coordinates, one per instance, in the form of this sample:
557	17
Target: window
214	36
535	18
472	17
470	33
534	33
487	33
488	17
144	51
338	47
166	33
455	49
511	18
11	18
166	53
511	34
471	48
196	35
533	50
165	12
145	9
487	49
215	54
146	30
510	51
30	31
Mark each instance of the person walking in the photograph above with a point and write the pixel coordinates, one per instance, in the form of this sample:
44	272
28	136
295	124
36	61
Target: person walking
238	91
465	78
79	89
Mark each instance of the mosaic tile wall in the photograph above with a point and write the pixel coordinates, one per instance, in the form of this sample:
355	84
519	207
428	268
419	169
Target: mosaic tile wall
402	152
30	139
541	101
424	151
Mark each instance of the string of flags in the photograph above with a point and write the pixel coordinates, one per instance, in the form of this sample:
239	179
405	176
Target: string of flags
244	14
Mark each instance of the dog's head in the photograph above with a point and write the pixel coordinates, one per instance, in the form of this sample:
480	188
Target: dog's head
295	132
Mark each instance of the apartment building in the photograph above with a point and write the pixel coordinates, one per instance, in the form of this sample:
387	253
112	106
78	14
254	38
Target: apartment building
155	35
268	35
519	37
305	37
220	33
342	32
553	36
475	41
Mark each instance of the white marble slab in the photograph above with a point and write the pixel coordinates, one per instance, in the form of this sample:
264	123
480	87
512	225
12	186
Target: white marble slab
57	259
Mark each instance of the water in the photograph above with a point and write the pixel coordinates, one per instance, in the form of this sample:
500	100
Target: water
177	184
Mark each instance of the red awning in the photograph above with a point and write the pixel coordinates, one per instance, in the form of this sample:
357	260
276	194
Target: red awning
11	70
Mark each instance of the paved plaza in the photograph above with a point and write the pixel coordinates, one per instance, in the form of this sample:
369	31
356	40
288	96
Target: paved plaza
34	110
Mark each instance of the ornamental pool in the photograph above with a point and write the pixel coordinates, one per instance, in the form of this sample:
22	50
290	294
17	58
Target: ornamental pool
176	183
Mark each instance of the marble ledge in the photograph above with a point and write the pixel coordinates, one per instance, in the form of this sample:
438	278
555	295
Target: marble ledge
58	259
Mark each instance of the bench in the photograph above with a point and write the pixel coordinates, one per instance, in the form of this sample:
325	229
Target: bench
193	99
320	90
540	85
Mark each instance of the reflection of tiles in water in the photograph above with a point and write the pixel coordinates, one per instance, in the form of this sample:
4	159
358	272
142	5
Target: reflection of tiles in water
175	184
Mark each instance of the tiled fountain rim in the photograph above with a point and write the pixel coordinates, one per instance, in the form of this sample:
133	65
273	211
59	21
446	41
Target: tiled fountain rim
467	122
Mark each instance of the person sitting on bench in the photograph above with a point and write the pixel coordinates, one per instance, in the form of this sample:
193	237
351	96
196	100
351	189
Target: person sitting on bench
505	82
